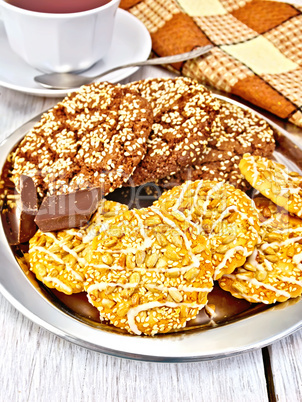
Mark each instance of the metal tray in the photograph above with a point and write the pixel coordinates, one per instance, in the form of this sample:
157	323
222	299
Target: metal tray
244	334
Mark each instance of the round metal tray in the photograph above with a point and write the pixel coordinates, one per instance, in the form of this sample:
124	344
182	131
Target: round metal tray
245	334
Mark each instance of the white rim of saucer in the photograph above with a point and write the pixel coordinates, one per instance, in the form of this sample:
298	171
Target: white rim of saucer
56	93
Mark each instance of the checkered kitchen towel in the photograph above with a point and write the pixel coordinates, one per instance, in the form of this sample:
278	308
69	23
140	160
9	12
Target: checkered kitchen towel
257	53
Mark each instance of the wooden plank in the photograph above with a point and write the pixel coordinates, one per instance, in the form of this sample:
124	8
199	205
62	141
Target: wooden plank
17	108
286	358
39	366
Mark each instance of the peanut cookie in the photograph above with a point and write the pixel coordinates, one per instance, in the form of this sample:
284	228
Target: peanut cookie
183	114
234	132
146	275
273	273
224	214
93	138
274	181
56	258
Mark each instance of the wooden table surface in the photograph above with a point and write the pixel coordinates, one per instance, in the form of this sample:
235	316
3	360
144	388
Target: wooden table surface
36	365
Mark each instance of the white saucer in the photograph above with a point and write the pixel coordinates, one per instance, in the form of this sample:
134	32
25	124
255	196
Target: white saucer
131	42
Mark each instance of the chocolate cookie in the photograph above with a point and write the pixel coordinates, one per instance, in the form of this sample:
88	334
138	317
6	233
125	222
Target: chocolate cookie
183	114
93	138
234	132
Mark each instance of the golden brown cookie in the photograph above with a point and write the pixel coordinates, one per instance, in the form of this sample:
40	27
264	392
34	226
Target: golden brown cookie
146	275
274	271
274	181
56	258
224	214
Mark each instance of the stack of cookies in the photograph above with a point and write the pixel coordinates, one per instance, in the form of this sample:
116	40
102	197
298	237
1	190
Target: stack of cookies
155	130
150	270
273	272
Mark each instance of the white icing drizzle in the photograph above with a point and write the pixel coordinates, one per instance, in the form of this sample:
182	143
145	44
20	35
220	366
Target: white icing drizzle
139	269
228	255
254	281
252	298
267	222
44	250
244	216
65	248
209	194
75	274
57	282
255	170
290	280
147	240
195	198
103	285
180	287
269	265
283	191
105	266
90	235
222	216
291	190
181	195
186	241
297	259
94	231
252	260
289	178
124	250
134	311
289	229
226	211
198	229
73	233
284	243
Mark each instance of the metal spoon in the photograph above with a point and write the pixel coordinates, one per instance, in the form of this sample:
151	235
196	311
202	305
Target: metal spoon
71	80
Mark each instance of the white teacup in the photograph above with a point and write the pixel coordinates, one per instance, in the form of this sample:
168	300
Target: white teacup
60	42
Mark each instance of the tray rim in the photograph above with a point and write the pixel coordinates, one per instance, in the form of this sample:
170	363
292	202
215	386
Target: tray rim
275	323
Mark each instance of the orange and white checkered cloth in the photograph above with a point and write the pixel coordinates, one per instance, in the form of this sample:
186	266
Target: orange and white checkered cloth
257	52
